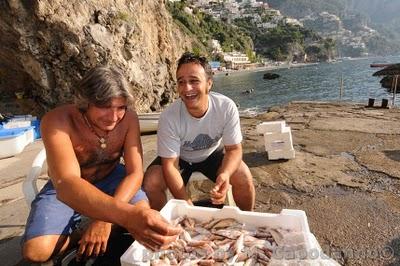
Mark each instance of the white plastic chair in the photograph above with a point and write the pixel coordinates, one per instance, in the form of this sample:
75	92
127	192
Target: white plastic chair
29	186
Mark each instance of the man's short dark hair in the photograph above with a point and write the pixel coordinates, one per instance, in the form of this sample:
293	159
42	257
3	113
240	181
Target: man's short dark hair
189	57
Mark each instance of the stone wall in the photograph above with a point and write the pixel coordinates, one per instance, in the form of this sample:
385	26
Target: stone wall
48	45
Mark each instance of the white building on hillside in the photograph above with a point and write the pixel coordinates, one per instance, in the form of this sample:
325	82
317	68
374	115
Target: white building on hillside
235	59
273	12
293	21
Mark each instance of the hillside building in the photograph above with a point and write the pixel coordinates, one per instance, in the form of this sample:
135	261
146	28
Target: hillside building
235	60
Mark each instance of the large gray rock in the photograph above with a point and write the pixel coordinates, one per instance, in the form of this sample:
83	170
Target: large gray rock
46	46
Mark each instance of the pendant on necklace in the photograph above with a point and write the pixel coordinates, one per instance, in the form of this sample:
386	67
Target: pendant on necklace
103	144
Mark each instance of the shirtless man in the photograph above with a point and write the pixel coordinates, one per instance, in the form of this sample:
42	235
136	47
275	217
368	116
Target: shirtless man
84	143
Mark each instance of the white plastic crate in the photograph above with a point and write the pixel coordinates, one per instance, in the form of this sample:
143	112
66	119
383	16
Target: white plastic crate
295	220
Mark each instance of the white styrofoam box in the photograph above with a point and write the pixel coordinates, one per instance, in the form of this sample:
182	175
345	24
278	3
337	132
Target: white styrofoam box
272	126
280	154
284	136
295	220
11	145
286	129
278	145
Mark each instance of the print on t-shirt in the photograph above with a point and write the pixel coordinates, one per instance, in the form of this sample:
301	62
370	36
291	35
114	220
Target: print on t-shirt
200	142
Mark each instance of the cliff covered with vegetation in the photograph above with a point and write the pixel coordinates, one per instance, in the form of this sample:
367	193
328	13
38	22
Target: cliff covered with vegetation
283	42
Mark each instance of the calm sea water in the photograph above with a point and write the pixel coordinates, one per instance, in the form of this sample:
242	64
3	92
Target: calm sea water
313	82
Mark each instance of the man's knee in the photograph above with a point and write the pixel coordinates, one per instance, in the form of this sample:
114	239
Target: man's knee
38	249
153	179
242	176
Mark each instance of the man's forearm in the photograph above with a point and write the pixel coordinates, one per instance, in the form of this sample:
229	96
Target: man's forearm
128	187
231	161
86	199
174	182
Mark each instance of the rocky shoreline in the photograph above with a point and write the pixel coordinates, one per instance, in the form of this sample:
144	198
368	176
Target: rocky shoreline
345	176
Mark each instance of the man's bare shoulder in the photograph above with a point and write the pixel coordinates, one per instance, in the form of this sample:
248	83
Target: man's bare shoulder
130	117
131	113
60	117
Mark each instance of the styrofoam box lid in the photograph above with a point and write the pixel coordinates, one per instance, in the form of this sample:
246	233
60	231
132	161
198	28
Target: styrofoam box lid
272	126
295	220
285	129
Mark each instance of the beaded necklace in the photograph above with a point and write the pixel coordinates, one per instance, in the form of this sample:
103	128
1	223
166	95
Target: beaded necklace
101	139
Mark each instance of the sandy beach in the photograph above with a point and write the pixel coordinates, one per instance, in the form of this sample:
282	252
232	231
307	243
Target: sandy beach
345	176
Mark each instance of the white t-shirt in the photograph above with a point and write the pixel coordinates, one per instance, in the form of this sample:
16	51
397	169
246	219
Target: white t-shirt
194	139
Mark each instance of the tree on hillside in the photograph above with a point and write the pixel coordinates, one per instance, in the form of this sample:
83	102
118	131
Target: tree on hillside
329	46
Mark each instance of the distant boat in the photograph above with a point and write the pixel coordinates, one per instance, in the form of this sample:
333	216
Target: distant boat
271	76
148	122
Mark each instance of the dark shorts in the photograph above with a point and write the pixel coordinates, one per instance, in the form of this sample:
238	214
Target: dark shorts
209	167
49	216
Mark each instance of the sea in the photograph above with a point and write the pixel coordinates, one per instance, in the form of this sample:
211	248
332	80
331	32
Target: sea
345	80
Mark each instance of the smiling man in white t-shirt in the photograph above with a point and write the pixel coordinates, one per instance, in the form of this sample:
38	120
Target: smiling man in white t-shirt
199	132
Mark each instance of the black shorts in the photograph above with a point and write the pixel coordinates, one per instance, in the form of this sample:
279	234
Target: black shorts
209	167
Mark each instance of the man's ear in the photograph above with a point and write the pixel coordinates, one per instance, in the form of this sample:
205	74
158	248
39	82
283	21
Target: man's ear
209	85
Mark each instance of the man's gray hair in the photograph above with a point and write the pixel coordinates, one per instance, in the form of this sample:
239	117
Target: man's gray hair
100	85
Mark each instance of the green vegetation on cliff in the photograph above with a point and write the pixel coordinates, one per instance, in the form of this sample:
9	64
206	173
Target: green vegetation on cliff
288	42
283	43
203	28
